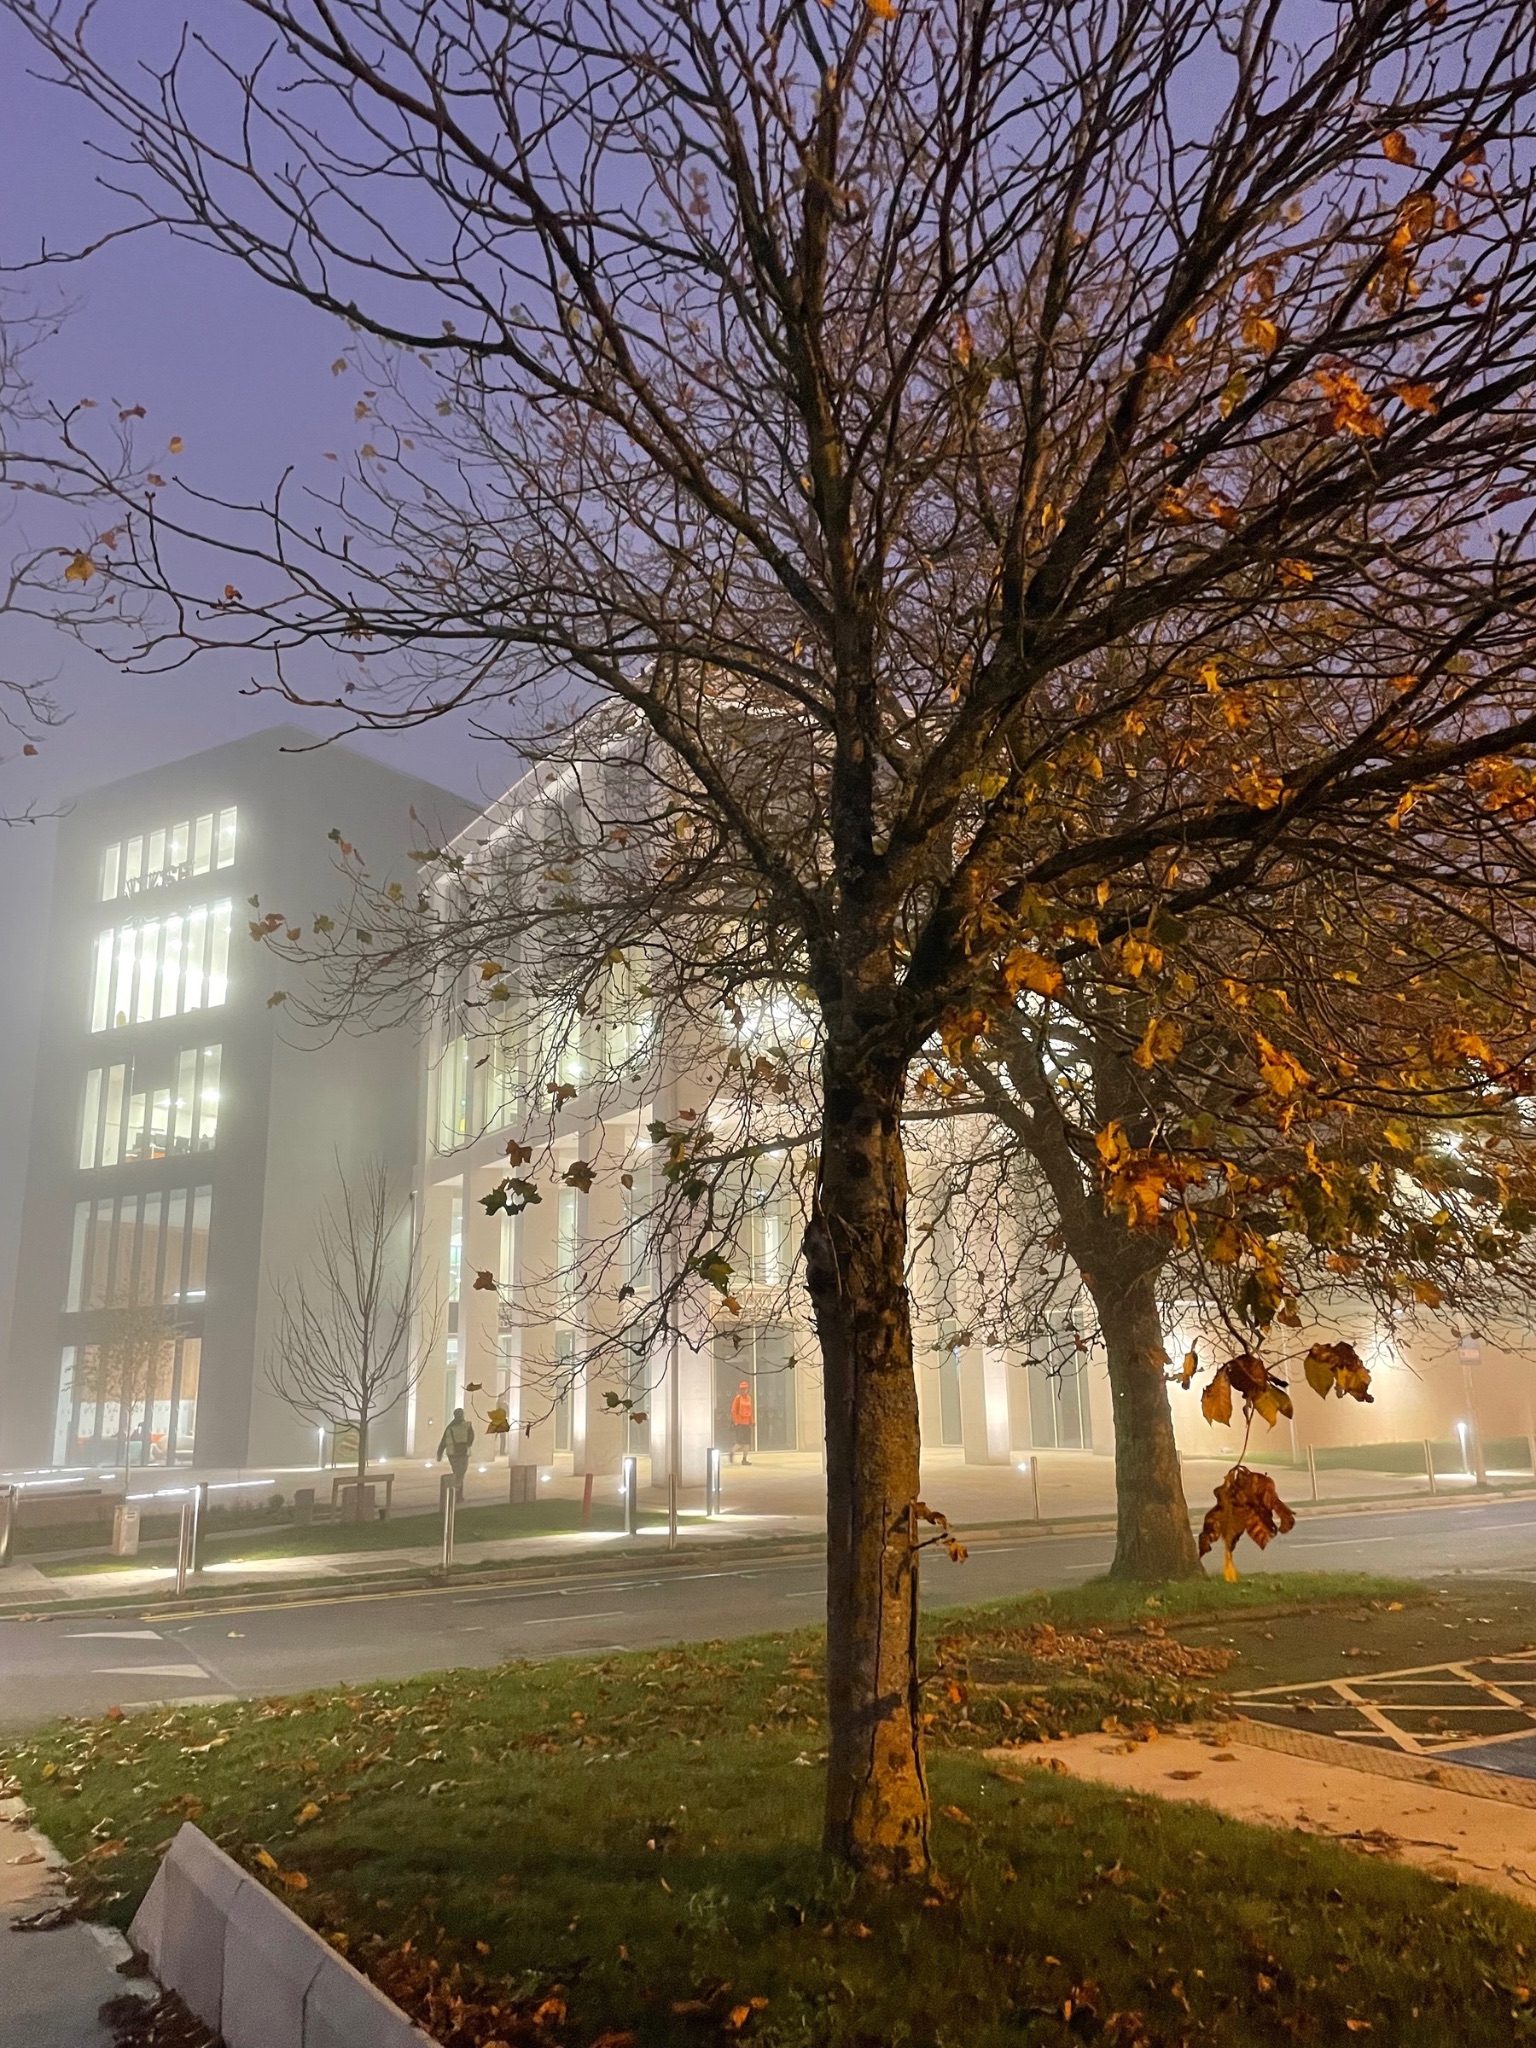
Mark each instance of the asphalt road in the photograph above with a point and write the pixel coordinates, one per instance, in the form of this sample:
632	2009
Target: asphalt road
71	1664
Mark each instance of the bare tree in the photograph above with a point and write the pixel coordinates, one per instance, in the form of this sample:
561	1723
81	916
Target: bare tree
354	1332
892	410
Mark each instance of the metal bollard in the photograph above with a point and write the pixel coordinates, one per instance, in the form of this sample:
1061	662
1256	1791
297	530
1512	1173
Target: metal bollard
1312	1469
184	1538
450	1508
1034	1485
1429	1465
672	1511
199	1525
629	1486
10	1504
712	1482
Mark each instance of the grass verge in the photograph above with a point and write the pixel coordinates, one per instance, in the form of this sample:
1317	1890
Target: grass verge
623	1851
489	1524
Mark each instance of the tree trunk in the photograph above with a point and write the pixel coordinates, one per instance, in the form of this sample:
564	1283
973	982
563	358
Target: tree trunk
362	1465
1153	1539
877	1790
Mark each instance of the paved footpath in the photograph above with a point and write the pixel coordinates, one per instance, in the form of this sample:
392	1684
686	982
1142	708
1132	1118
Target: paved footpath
54	1981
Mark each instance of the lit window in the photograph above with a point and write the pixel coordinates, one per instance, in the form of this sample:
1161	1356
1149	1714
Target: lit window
90	1118
133	865
176	851
149	957
101	982
197	1251
112	1134
111	861
155	863
227	838
162	968
218	966
77	1257
202	844
208	1100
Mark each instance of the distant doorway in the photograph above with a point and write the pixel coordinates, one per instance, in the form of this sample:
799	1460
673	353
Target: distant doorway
765	1359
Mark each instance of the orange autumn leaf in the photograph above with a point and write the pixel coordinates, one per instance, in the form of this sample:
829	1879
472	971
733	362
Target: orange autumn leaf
1397	149
1246	1504
1026	969
1337	1369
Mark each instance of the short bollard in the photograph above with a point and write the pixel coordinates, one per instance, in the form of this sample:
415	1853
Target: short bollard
629	1486
450	1508
1312	1469
10	1501
1034	1486
1429	1465
184	1540
712	1482
586	1500
199	1525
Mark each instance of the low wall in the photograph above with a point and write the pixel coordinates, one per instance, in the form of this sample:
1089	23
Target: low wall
248	1967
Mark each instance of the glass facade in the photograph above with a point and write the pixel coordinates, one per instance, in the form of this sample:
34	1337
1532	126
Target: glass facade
168	855
151	1107
161	967
132	1250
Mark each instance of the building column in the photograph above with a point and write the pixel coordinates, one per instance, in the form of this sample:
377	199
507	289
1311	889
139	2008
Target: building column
426	1417
984	1404
530	1302
479	1352
599	1445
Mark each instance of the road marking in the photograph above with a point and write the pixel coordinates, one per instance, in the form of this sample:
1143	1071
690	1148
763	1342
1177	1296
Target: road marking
150	1671
555	1620
114	1635
817	1593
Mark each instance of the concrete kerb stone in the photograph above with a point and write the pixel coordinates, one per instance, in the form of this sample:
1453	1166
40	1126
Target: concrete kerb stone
250	1968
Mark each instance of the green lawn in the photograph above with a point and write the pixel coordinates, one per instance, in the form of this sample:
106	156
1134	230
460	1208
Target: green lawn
625	1850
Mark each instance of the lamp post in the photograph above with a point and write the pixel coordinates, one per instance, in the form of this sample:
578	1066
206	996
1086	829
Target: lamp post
1470	1352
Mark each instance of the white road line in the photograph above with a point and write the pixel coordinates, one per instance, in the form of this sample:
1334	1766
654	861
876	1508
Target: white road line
819	1593
114	1635
151	1671
554	1620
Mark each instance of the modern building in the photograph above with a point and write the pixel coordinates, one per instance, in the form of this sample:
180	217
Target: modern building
183	1137
522	1345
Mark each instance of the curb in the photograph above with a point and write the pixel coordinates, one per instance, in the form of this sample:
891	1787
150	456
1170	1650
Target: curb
248	1967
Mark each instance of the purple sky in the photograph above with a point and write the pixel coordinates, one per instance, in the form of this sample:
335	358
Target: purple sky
243	375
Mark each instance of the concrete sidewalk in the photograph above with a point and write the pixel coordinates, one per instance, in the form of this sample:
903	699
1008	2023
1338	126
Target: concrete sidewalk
53	1981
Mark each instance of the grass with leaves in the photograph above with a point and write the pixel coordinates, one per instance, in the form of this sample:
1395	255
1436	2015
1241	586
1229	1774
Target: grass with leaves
624	1851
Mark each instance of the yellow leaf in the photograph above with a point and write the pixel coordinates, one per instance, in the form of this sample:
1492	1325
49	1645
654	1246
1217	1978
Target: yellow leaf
1112	1144
882	10
1163	1039
1397	149
175	444
1426	1293
1293	573
266	1860
307	1812
1283	1072
1261	333
1417	397
294	1881
1025	969
81	569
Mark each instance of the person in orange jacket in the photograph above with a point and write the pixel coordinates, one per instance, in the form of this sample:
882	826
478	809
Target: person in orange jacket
741	1422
